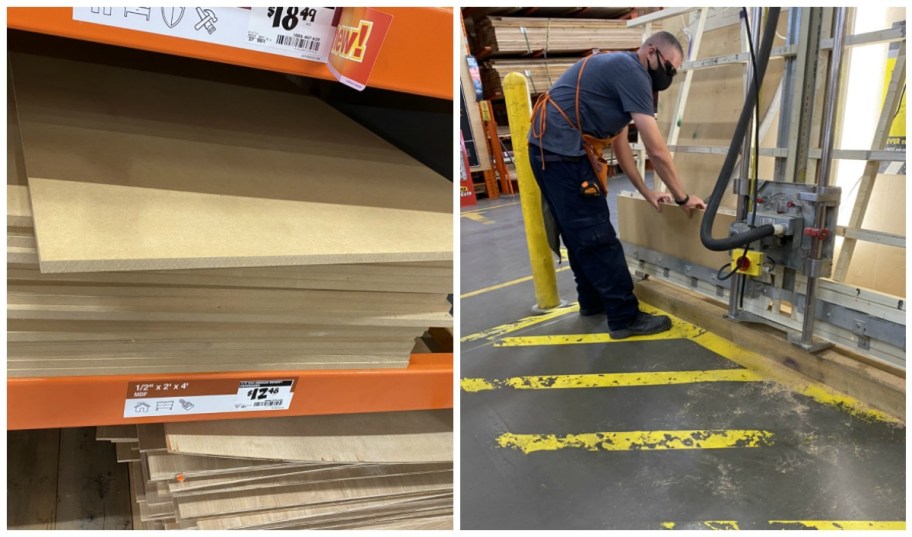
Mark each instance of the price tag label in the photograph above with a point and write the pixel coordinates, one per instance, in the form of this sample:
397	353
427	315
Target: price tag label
179	397
306	31
252	395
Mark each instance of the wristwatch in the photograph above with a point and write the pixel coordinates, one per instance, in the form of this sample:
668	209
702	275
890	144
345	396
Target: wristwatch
683	201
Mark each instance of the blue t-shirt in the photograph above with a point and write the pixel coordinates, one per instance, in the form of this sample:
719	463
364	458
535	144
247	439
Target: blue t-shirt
613	85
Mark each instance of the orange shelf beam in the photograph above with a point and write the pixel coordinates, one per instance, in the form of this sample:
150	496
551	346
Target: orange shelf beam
416	58
40	403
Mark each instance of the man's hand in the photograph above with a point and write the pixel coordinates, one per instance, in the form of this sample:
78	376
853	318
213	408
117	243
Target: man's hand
694	202
656	198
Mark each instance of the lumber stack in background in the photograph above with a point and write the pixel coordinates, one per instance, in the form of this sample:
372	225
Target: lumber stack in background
500	36
361	471
541	73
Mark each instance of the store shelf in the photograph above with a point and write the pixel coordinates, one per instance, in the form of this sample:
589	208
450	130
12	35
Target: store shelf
410	60
38	403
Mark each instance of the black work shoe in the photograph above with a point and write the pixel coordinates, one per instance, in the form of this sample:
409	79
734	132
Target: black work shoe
644	325
589	312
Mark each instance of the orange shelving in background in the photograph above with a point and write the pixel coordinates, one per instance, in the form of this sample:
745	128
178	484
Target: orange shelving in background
39	403
415	58
409	61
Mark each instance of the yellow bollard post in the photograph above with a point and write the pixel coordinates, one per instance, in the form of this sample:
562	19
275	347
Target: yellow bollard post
519	114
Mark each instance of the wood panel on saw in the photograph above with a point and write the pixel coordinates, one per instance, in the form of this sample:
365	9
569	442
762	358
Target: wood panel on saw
132	170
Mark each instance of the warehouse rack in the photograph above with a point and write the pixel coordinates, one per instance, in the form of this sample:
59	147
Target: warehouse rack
40	403
427	383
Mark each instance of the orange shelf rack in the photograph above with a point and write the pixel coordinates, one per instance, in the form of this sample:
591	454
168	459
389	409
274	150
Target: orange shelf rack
40	403
416	57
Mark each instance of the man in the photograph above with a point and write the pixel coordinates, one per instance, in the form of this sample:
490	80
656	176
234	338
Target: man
611	90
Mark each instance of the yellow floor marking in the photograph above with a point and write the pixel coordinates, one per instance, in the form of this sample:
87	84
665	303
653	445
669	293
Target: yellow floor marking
483	209
845	524
682	329
721	525
477	217
610	380
638	440
679	330
799	524
525	322
505	284
775	371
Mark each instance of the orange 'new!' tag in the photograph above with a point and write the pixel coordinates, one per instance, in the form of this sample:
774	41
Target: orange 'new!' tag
357	43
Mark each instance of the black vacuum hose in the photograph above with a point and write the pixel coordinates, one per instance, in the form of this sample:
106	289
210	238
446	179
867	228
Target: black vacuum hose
712	206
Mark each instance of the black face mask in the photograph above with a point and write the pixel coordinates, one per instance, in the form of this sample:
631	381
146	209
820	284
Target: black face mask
662	75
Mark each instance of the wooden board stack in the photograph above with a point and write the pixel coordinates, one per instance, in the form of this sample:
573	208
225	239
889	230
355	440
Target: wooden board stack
529	35
541	73
364	471
167	224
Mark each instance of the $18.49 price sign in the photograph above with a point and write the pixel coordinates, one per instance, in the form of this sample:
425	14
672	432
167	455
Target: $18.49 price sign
288	17
307	31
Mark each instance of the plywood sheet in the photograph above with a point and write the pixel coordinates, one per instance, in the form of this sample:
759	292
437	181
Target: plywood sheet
173	331
83	227
419	436
248	501
18	206
279	478
116	433
876	266
169	465
182	177
278	516
715	101
670	232
377	277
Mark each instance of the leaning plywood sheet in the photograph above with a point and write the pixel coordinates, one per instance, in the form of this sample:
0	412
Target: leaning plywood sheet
132	170
419	436
714	103
878	266
18	206
169	465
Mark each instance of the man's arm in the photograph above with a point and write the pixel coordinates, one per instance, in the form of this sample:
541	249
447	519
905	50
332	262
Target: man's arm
662	161
625	160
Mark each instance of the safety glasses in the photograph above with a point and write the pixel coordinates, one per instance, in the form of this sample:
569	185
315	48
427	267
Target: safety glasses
668	67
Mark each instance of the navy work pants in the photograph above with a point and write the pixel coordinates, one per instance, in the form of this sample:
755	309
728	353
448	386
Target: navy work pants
595	253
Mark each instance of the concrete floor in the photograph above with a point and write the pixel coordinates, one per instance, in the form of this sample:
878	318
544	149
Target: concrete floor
526	462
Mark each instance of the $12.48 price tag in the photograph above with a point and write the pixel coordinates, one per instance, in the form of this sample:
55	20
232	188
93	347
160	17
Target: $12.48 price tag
263	394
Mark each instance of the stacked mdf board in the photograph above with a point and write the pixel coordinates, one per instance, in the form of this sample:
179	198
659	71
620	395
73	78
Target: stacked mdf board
527	35
364	471
166	224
